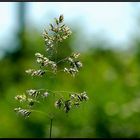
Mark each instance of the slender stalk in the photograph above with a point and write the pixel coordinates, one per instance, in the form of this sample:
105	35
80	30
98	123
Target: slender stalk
55	91
51	128
54	94
62	60
40	112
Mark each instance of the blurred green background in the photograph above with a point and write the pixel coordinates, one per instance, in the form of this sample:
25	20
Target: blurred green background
110	76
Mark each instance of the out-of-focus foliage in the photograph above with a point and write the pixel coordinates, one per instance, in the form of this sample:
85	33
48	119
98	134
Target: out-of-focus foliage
111	79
